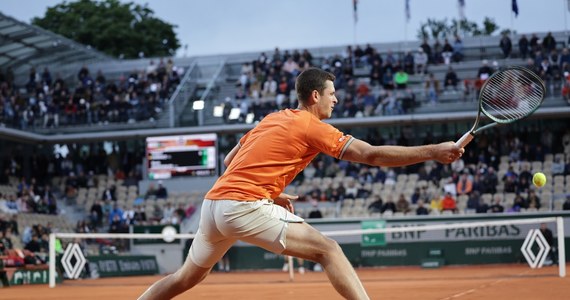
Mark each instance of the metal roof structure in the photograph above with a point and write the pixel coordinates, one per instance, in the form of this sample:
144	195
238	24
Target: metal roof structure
25	45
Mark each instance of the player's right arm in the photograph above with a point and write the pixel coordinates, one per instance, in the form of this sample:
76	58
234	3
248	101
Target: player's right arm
397	156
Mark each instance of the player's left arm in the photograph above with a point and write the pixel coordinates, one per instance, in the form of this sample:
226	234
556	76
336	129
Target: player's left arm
231	155
397	156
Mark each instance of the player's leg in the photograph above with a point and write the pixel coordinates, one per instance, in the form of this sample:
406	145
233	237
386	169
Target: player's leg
202	256
174	284
306	242
277	230
208	247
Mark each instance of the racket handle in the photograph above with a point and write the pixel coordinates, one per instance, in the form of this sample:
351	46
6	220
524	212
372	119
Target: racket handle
464	140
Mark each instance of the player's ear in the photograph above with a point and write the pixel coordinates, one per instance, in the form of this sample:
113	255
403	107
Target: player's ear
315	96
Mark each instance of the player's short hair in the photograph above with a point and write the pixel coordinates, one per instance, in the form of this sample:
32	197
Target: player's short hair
310	80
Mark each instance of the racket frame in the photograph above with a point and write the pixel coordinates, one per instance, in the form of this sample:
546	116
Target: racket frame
468	136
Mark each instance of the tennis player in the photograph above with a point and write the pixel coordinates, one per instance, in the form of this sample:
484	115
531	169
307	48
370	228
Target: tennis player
247	202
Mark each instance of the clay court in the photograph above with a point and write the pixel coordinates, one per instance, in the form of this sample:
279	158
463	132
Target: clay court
465	282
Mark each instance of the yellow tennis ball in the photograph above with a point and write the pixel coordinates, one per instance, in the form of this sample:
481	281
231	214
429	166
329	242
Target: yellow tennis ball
539	179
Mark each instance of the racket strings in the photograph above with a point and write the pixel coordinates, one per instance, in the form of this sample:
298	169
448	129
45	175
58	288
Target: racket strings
511	95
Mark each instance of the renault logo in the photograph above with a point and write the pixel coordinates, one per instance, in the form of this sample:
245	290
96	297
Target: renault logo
73	251
535	260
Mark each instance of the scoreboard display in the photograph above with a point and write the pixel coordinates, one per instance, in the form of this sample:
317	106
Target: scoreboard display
182	155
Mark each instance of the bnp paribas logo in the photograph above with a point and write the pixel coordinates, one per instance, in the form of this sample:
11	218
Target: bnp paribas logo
534	236
73	261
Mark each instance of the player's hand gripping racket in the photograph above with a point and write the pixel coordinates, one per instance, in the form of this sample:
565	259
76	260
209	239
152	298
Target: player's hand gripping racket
507	96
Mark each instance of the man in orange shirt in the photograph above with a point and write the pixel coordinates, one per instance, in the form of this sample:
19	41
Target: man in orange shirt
247	202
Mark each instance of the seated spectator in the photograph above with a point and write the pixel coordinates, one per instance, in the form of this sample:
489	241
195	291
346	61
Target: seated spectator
109	193
150	192
511	180
533	200
566	205
523	47
484	71
315	212
457	49
402	205
376	206
140	216
437	49
388	80
558	166
8	206
117	225
435	203
180	213
389	205
401	79
523	185
451	79
447	52
421	60
464	185
12	225
431	87
351	190
408	100
161	191
408	62
497	207
33	245
388	106
167	214
549	42
545	69
5	243
129	215
416	195
474	200
97	213
421	210
483	207
376	73
269	88
506	45
518	204
116	212
448	203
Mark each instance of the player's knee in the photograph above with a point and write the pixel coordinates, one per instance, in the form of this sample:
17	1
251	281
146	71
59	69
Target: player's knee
330	248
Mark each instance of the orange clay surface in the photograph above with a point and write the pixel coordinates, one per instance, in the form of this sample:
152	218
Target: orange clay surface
517	282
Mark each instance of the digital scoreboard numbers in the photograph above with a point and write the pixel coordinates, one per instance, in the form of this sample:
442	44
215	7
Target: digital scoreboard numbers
182	155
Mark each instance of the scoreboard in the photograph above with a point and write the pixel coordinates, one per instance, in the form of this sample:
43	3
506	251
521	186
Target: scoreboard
182	155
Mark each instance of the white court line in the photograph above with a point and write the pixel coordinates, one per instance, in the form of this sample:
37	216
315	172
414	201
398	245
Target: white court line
479	288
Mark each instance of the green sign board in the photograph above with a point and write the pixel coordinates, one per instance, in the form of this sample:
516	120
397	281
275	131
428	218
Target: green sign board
375	239
116	265
32	276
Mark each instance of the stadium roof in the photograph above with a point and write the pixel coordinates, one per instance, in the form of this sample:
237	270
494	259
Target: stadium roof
23	44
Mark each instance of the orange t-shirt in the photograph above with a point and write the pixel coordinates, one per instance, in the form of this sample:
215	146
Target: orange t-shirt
274	152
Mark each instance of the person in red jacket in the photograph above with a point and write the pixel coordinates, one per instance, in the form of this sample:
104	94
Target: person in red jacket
448	203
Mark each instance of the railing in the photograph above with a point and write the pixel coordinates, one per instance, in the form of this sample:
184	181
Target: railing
208	95
182	94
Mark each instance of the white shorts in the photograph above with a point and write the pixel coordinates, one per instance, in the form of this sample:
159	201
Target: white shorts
223	222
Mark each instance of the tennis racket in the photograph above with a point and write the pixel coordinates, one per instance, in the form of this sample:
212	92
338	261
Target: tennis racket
509	95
